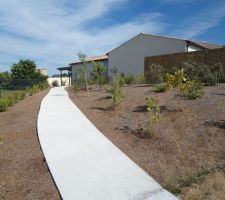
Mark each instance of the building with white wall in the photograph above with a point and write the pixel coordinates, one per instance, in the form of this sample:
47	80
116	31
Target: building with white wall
128	58
103	59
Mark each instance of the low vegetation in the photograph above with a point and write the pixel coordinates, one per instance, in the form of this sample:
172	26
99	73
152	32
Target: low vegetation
11	99
160	87
153	116
55	83
156	74
192	89
98	73
116	91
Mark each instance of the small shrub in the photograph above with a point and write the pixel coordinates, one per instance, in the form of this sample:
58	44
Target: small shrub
22	95
176	79
35	89
192	89
139	79
55	83
161	87
121	79
173	188
30	91
154	116
4	104
130	79
155	74
209	75
116	92
117	96
98	70
43	85
12	100
16	96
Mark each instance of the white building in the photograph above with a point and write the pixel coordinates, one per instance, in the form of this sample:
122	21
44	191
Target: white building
88	63
128	58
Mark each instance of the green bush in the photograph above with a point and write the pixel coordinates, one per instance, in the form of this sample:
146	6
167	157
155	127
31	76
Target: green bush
35	89
139	79
12	100
192	89
55	83
22	95
98	72
155	74
209	75
43	85
16	96
4	104
176	79
161	87
130	79
116	92
153	116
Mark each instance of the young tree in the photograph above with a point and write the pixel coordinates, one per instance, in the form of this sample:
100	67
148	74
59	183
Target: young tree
82	58
98	70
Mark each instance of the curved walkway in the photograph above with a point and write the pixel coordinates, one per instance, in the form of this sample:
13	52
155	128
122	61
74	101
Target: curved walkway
84	163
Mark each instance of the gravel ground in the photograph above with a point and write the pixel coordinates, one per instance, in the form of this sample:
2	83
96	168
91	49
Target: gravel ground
189	141
23	171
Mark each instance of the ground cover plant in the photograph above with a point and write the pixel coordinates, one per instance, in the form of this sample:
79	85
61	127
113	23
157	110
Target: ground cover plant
13	97
160	87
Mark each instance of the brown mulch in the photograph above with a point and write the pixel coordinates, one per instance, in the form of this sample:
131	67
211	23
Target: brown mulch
23	171
189	137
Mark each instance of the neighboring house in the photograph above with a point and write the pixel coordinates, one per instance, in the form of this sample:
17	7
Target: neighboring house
99	59
43	72
128	58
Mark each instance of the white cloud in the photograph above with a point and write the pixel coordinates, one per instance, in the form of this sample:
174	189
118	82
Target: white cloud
52	31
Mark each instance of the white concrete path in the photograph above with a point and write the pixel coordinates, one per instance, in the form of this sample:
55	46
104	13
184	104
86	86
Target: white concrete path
84	163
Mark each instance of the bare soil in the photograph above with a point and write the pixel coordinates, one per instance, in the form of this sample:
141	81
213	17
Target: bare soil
188	146
23	171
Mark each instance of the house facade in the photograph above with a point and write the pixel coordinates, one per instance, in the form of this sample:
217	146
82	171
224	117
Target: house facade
128	58
98	59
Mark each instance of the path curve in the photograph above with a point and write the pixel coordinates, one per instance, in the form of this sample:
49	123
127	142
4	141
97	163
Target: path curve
85	165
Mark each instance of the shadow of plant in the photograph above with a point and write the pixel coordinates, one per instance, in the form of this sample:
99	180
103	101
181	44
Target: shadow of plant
219	124
101	108
104	98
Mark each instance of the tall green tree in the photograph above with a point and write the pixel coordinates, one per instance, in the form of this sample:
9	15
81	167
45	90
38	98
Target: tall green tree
25	69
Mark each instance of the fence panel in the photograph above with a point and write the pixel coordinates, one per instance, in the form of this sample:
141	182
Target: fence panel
209	57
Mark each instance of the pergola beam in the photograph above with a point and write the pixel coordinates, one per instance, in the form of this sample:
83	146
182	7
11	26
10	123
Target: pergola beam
69	69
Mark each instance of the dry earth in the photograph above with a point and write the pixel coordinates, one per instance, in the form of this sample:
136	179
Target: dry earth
23	171
186	153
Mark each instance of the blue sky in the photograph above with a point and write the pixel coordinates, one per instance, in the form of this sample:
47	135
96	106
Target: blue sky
52	32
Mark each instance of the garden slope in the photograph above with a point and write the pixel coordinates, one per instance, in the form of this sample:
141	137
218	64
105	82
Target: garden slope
24	173
191	140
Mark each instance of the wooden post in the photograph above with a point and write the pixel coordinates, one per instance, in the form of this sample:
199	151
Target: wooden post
69	77
61	77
